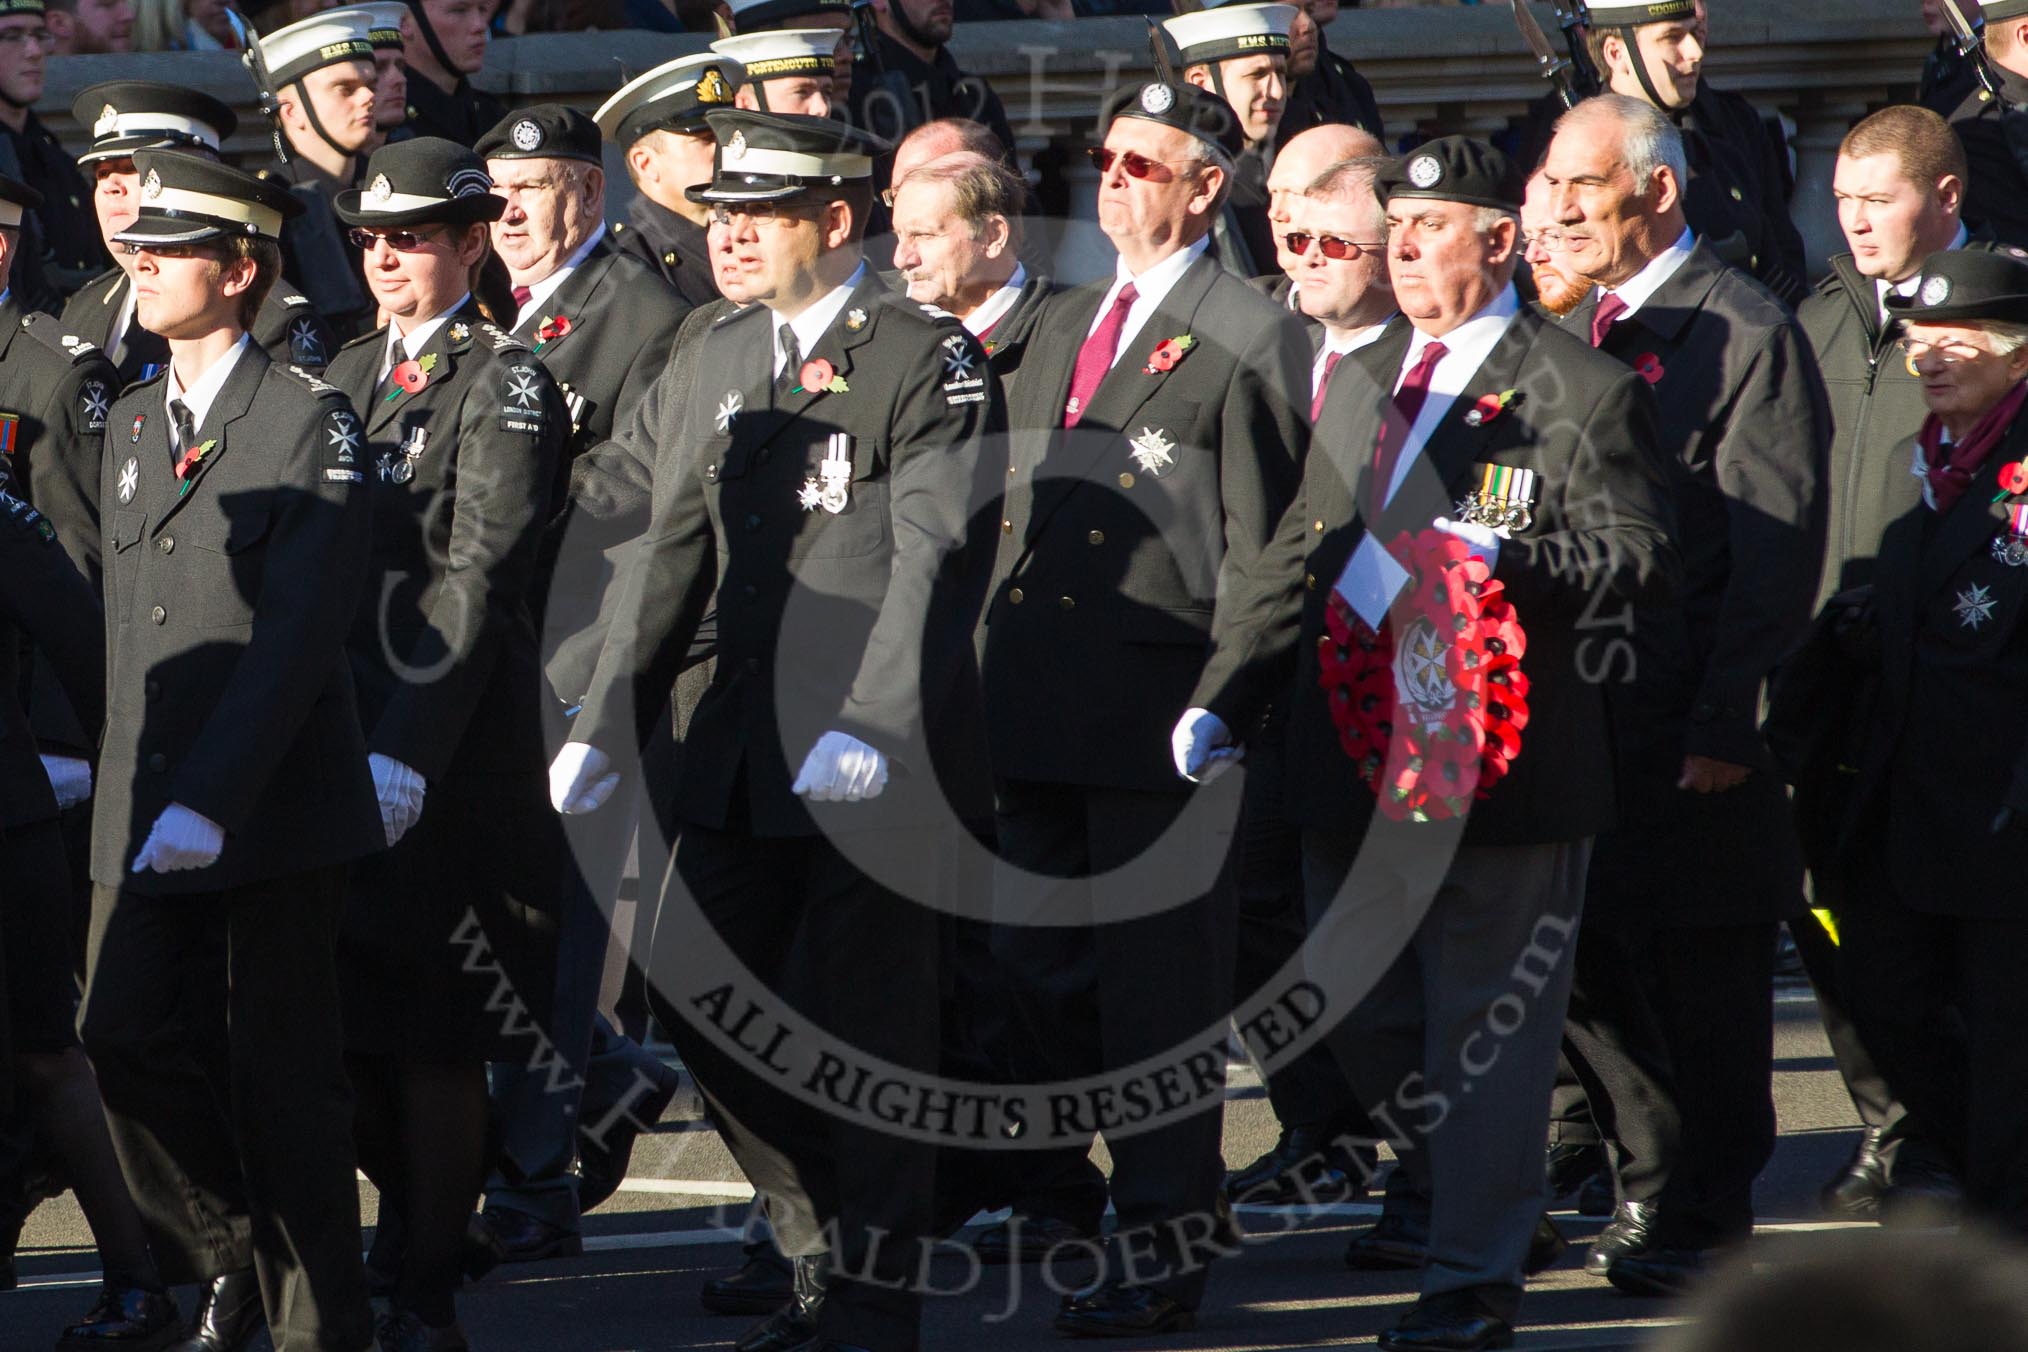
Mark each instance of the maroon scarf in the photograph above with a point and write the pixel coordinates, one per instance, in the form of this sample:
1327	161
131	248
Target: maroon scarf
1949	478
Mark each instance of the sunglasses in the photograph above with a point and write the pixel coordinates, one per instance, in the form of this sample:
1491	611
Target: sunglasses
1133	162
401	241
172	250
759	211
1338	250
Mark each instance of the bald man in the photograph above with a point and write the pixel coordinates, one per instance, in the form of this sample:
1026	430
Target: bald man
1296	166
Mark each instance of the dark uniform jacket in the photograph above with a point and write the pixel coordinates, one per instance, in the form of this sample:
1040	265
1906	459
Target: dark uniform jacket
1994	133
331	273
288	327
1008	341
614	319
45	600
914	91
463	115
228	597
1120	534
445	653
64	250
1599	536
1243	237
1333	92
858	621
1946	78
1949	744
672	244
1875	405
1744	427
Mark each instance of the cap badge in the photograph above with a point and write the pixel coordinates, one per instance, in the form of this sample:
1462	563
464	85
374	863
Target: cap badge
109	121
1425	171
527	136
1935	291
381	189
151	186
711	87
1157	99
735	149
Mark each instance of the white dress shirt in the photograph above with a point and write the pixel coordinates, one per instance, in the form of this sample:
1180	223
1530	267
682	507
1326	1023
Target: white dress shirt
997	305
201	392
1636	290
813	323
540	292
1465	350
1151	288
417	338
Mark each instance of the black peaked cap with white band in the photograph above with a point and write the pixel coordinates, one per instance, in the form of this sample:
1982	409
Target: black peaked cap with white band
188	198
423	181
772	157
130	115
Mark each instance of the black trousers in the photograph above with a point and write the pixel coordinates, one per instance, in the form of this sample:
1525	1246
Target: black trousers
857	960
1941	1004
213	1023
1615	1085
1872	1097
1104	994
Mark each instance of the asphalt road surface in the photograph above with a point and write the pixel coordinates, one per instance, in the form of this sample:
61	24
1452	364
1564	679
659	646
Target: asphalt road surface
676	1223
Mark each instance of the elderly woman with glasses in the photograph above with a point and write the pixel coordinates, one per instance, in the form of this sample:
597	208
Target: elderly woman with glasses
1932	937
450	926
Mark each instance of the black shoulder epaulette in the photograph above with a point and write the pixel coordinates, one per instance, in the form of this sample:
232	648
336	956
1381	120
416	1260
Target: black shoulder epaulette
48	330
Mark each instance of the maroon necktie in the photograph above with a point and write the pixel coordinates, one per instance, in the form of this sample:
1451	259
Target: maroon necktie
1610	308
1095	358
521	296
1408	402
1331	360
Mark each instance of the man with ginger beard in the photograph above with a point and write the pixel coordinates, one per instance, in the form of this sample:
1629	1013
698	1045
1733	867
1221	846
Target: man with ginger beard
1557	289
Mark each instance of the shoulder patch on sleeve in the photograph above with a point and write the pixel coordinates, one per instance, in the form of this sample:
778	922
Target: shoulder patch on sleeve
964	375
342	445
309	340
24	518
94	403
522	406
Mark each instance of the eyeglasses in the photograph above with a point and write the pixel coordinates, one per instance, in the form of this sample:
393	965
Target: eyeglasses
1134	162
757	211
14	37
1952	353
1551	240
171	250
1338	250
401	241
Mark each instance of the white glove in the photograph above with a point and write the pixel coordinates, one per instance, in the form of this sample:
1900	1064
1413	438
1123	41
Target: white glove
1202	746
400	791
841	769
578	779
1484	542
180	839
70	777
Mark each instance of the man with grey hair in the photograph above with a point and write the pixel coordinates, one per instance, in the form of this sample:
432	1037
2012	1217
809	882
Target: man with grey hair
957	241
1673	1003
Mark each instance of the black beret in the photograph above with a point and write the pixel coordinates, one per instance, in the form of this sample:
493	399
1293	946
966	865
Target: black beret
1454	169
1965	284
547	131
425	180
1185	107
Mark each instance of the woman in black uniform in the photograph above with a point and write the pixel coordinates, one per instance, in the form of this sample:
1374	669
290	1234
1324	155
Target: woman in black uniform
448	941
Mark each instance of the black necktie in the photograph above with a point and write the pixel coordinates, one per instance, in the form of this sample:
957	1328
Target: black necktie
792	363
186	432
398	355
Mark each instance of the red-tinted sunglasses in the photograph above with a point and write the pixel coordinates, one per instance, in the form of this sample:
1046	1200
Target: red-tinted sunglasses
1334	248
1136	164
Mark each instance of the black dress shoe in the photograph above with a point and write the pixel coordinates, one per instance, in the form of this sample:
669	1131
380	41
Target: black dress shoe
1659	1272
761	1286
1854	1192
1545	1246
1030	1239
229	1315
518	1237
1116	1311
404	1331
602	1165
1387	1245
795	1323
1453	1321
125	1319
1307	1165
1568	1166
1630	1232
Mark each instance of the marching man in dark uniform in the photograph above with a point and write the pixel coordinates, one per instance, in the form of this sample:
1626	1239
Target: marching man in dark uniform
1931	856
1680	959
446	47
1550	449
130	115
320	79
657	121
1158	433
1241	54
233	785
1993	129
829	454
464	430
600	319
1324	88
